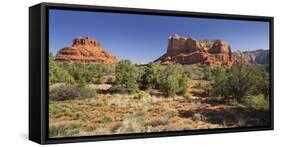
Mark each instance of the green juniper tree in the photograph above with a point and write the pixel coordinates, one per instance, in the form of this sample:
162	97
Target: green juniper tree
126	76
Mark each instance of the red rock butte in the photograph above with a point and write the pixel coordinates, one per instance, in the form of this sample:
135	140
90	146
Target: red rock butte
189	51
85	50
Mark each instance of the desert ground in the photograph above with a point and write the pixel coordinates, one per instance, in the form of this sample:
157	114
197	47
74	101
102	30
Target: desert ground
125	113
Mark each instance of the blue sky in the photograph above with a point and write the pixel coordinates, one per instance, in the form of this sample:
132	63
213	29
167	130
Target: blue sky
143	38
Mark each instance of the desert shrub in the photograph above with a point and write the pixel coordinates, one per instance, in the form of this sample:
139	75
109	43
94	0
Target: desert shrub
183	85
197	85
79	72
89	73
61	130
110	79
58	74
101	72
57	111
69	92
190	72
172	112
257	102
198	117
173	80
207	73
238	82
162	121
105	119
126	77
141	72
207	88
151	75
262	81
141	94
220	81
187	95
131	123
169	79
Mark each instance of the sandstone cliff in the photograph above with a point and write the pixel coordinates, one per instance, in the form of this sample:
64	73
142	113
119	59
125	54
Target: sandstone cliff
251	57
189	51
85	50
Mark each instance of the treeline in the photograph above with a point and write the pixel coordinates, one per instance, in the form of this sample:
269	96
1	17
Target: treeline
81	74
170	79
125	77
236	82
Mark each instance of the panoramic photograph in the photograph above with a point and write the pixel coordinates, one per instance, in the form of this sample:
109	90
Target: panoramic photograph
117	73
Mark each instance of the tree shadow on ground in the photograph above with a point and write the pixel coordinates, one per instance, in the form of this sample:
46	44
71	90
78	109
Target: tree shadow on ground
198	93
229	117
215	101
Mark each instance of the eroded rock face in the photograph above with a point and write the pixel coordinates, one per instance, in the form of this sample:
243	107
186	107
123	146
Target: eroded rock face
85	50
186	50
251	57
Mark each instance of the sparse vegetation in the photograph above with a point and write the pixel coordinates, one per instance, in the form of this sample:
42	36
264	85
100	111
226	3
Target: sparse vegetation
99	99
67	92
141	94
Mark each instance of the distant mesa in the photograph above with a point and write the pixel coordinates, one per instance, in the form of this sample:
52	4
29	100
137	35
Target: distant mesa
214	53
259	56
189	51
85	50
182	50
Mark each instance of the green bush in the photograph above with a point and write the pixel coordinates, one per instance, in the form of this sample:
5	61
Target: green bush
126	77
220	81
151	75
173	80
207	89
169	79
82	74
79	72
89	73
101	72
183	85
197	85
262	81
207	73
190	72
141	94
58	74
239	82
258	102
70	92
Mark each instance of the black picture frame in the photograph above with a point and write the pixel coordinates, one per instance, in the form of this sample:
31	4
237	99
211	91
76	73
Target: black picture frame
38	71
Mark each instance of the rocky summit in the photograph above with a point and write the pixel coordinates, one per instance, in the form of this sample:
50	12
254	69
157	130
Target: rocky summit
85	50
189	51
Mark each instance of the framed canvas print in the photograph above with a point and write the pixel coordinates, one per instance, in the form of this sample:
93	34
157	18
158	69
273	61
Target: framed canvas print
102	73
